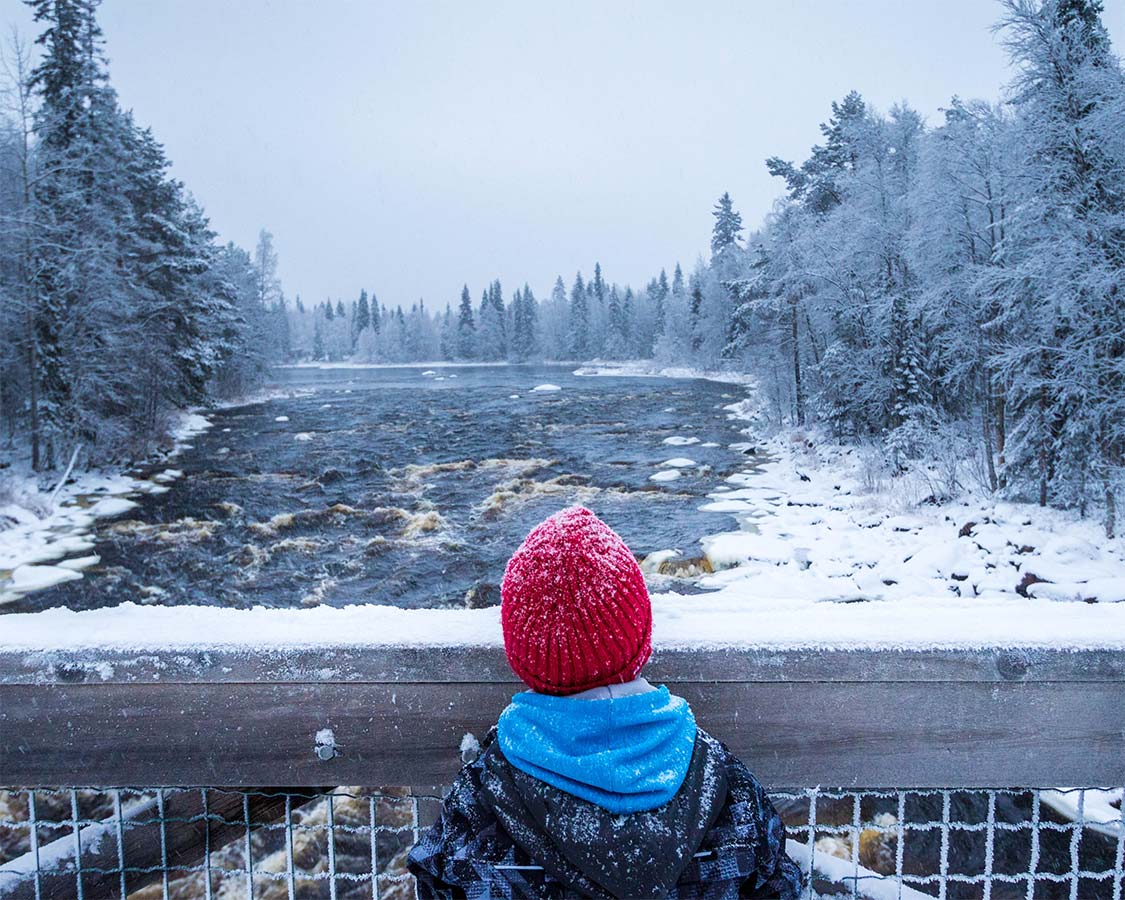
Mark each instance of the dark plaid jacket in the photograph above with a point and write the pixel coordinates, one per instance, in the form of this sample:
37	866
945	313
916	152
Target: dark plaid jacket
505	834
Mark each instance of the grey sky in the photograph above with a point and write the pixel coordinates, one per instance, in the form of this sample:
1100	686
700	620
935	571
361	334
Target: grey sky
409	147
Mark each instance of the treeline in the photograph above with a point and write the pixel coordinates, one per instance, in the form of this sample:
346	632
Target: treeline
957	290
592	319
117	306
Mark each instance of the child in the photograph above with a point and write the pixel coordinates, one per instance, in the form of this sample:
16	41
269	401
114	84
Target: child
595	783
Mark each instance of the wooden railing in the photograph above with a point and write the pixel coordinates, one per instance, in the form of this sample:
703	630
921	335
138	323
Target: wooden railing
397	716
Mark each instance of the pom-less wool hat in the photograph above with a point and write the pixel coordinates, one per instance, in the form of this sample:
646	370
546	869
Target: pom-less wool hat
574	607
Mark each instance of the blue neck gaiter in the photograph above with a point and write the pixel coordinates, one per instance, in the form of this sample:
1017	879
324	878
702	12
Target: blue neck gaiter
625	754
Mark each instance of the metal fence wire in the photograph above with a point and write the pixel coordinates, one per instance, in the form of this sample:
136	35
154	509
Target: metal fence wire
179	843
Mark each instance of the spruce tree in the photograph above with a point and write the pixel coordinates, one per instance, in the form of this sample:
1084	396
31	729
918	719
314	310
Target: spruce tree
616	345
727	228
466	329
578	324
362	314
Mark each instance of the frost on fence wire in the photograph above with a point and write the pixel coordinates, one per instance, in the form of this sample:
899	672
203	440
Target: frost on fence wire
352	842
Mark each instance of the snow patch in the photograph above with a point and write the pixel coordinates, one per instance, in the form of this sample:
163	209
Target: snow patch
112	506
36	578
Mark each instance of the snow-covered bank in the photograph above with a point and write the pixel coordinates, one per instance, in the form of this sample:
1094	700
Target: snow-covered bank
45	540
824	522
433	364
647	368
820	526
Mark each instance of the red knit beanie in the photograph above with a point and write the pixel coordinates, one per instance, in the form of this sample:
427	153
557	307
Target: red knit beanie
575	609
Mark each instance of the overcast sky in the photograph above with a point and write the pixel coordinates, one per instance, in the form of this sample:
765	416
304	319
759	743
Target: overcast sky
408	147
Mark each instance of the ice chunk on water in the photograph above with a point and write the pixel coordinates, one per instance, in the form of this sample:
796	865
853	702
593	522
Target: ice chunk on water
80	562
679	462
35	578
546	387
678	440
281	418
111	506
665	475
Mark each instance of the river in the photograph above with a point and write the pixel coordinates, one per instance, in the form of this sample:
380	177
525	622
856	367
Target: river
412	486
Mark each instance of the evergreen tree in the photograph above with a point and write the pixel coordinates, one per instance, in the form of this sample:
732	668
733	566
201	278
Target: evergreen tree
318	342
579	321
662	291
447	342
525	325
728	227
815	183
362	315
628	322
617	341
466	329
695	308
491	336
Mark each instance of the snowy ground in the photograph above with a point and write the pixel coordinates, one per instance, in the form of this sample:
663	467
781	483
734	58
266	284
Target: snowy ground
45	537
828	555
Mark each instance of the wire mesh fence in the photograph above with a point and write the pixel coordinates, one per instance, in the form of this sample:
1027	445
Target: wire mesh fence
177	843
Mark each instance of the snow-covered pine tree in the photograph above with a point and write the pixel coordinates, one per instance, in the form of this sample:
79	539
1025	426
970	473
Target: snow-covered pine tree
553	323
466	328
727	230
362	317
492	343
578	323
447	335
1063	275
617	340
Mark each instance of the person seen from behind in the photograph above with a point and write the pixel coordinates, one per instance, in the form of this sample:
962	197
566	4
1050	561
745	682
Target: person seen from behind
596	783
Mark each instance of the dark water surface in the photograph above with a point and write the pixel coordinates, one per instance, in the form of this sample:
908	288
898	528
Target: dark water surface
399	487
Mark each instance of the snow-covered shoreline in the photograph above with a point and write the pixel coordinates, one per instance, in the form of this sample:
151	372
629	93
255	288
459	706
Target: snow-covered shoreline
49	539
649	369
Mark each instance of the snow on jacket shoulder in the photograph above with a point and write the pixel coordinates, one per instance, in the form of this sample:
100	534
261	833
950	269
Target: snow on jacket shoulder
503	833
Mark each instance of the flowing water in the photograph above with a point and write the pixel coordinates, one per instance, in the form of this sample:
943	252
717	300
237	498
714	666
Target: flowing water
411	487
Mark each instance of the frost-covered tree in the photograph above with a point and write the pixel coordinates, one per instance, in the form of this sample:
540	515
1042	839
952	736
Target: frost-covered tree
492	338
578	323
1063	272
525	322
466	327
